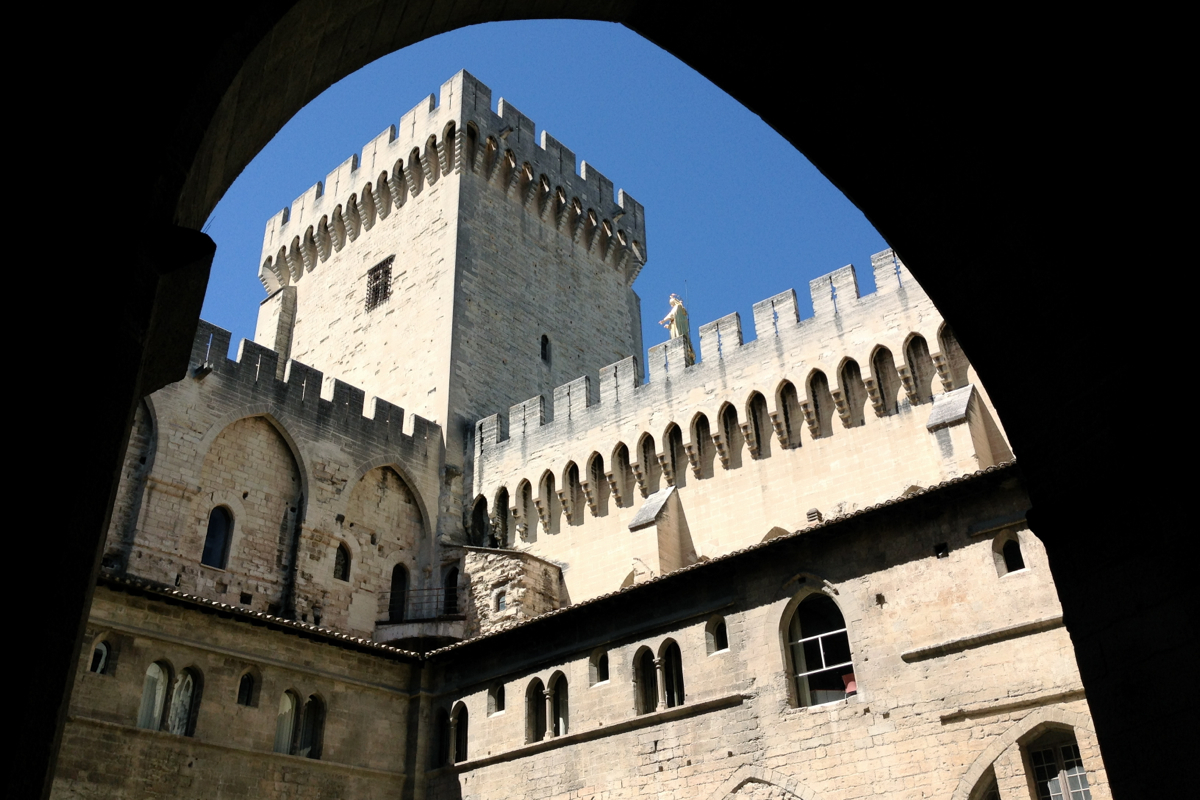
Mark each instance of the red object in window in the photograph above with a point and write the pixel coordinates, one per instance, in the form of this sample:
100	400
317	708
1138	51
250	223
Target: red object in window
851	686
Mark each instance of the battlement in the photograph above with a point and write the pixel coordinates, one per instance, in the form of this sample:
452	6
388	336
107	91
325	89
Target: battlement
839	333
456	132
305	393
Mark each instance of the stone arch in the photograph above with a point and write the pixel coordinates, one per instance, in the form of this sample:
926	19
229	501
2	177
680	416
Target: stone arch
278	419
479	529
450	145
854	392
501	524
796	590
647	460
759	421
1021	732
622	474
821	400
675	455
887	381
571	496
731	434
787	403
754	773
919	362
547	502
703	450
597	481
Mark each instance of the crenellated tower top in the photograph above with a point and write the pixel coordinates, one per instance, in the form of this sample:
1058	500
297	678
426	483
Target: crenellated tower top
456	132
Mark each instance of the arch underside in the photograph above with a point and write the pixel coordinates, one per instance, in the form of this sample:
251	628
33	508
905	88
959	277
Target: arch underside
938	199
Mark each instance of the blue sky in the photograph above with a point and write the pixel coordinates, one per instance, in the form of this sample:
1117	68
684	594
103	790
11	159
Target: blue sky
734	214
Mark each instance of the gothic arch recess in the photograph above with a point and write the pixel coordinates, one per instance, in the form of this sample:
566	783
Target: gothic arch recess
735	787
1028	729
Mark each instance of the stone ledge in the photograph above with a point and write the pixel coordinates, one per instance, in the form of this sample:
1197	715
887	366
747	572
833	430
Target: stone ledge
981	639
625	725
131	730
994	709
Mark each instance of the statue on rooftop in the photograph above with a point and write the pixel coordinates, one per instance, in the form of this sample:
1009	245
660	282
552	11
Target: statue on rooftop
676	321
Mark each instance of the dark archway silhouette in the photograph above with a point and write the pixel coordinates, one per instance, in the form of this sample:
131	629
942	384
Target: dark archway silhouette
951	178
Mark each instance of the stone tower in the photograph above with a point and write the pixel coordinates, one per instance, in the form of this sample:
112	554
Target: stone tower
458	267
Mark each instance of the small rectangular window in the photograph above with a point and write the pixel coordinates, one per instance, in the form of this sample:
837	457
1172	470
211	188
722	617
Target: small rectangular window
379	282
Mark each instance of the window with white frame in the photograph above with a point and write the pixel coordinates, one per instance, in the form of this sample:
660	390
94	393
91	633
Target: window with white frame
1057	767
819	652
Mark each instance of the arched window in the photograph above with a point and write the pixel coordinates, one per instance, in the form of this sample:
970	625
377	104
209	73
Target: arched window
545	349
341	563
185	702
441	748
247	690
450	591
312	728
672	667
285	722
535	711
572	495
154	696
645	675
458	723
548	503
1057	767
398	596
819	652
496	699
216	541
560	705
716	636
1006	552
99	663
598	667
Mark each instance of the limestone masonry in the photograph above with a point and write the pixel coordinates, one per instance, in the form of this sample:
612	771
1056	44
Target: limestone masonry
431	535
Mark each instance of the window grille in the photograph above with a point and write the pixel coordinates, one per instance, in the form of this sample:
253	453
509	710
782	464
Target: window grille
379	282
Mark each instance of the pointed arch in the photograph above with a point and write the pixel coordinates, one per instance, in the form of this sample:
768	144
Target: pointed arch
759	422
756	773
675	468
821	402
731	433
645	681
702	453
887	381
525	511
500	522
571	496
957	364
597	485
854	393
548	504
1022	732
535	711
479	532
449	145
919	364
622	475
647	465
791	417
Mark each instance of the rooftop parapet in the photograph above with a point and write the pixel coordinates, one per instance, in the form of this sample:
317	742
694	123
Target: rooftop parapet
304	392
454	132
801	346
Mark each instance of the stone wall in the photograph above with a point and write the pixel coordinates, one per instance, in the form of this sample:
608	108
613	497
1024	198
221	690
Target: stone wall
229	752
758	441
301	471
957	667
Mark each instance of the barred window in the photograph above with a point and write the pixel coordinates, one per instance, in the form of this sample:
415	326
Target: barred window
379	282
